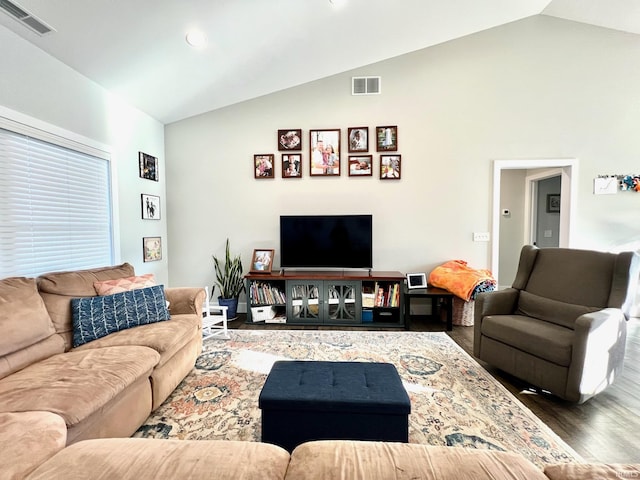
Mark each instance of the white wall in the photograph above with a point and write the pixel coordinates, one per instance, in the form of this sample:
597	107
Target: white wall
33	83
537	88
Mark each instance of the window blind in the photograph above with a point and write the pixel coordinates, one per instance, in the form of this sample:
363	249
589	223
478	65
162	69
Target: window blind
55	207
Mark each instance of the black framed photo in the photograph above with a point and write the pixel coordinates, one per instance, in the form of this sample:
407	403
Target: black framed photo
553	203
324	152
152	249
290	139
150	207
358	139
291	165
148	165
387	139
360	165
263	165
390	167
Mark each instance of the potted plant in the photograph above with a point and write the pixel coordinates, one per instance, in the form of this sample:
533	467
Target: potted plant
230	281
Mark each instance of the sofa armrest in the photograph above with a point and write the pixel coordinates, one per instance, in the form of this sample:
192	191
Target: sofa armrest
500	302
185	300
601	471
598	353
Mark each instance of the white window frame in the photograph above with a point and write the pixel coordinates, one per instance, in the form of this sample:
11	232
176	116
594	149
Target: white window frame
24	124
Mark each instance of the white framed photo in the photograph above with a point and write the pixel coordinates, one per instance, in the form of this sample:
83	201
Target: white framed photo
416	280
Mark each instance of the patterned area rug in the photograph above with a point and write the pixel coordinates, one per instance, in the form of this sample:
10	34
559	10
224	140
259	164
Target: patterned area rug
454	401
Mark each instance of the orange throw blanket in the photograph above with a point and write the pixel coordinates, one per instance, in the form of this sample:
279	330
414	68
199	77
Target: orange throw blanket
460	279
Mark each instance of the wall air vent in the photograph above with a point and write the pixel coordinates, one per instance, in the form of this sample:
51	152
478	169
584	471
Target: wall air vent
365	85
27	19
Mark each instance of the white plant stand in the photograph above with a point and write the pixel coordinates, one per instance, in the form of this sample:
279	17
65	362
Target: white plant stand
214	325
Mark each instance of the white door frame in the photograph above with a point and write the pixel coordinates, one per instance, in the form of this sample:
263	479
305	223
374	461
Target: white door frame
568	199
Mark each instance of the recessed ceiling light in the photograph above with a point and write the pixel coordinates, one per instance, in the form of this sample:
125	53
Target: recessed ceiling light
196	38
337	3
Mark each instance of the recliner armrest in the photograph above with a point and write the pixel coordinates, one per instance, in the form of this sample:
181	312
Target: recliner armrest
500	302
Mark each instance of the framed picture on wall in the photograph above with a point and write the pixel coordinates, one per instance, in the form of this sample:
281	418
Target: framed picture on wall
358	139
390	167
263	165
261	261
387	139
291	165
150	207
290	139
148	166
324	152
553	203
360	166
152	249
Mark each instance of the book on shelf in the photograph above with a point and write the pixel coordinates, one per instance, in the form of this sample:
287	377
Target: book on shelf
266	294
387	296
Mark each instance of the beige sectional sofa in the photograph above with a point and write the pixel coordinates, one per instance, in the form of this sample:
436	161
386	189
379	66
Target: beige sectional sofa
106	387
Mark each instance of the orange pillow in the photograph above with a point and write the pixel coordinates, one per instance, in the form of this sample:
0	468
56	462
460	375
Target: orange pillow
119	285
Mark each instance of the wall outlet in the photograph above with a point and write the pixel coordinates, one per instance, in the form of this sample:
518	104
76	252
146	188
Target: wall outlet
481	236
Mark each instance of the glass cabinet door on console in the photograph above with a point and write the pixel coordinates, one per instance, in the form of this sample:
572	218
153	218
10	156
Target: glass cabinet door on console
304	304
343	302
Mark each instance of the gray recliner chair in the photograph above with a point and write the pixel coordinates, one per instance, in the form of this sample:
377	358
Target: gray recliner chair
562	325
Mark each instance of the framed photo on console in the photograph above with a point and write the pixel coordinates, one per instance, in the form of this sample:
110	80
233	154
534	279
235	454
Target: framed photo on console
324	153
262	260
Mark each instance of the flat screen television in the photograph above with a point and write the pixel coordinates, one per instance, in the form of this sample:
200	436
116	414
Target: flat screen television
326	241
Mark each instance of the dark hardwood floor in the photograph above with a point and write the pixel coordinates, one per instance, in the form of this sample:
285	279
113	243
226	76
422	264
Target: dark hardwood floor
606	428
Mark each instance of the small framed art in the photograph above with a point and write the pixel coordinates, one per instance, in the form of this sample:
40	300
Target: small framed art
261	261
360	165
152	249
291	165
148	166
553	203
390	166
150	207
324	152
290	139
416	280
263	166
358	139
387	139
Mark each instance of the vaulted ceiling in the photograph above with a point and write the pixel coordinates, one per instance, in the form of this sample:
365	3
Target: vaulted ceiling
137	49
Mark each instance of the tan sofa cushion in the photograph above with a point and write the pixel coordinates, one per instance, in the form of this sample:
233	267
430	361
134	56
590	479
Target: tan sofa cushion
76	384
148	459
58	288
579	471
354	460
24	322
29	439
166	338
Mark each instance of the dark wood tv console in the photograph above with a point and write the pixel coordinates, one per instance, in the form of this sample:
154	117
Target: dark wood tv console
345	297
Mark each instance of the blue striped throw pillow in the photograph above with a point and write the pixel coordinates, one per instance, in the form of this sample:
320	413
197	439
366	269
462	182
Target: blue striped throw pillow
96	317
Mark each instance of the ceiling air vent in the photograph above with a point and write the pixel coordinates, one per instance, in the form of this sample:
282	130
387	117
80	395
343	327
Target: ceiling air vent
365	85
27	19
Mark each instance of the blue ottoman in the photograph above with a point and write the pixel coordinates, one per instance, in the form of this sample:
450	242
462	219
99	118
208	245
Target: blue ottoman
308	400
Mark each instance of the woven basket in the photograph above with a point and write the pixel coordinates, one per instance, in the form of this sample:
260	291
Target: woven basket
463	312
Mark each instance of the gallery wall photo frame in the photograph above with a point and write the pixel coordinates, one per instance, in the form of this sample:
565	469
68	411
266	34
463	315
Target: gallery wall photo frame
262	260
263	165
291	165
324	152
390	167
151	249
148	166
360	165
387	138
553	203
358	139
290	139
150	205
